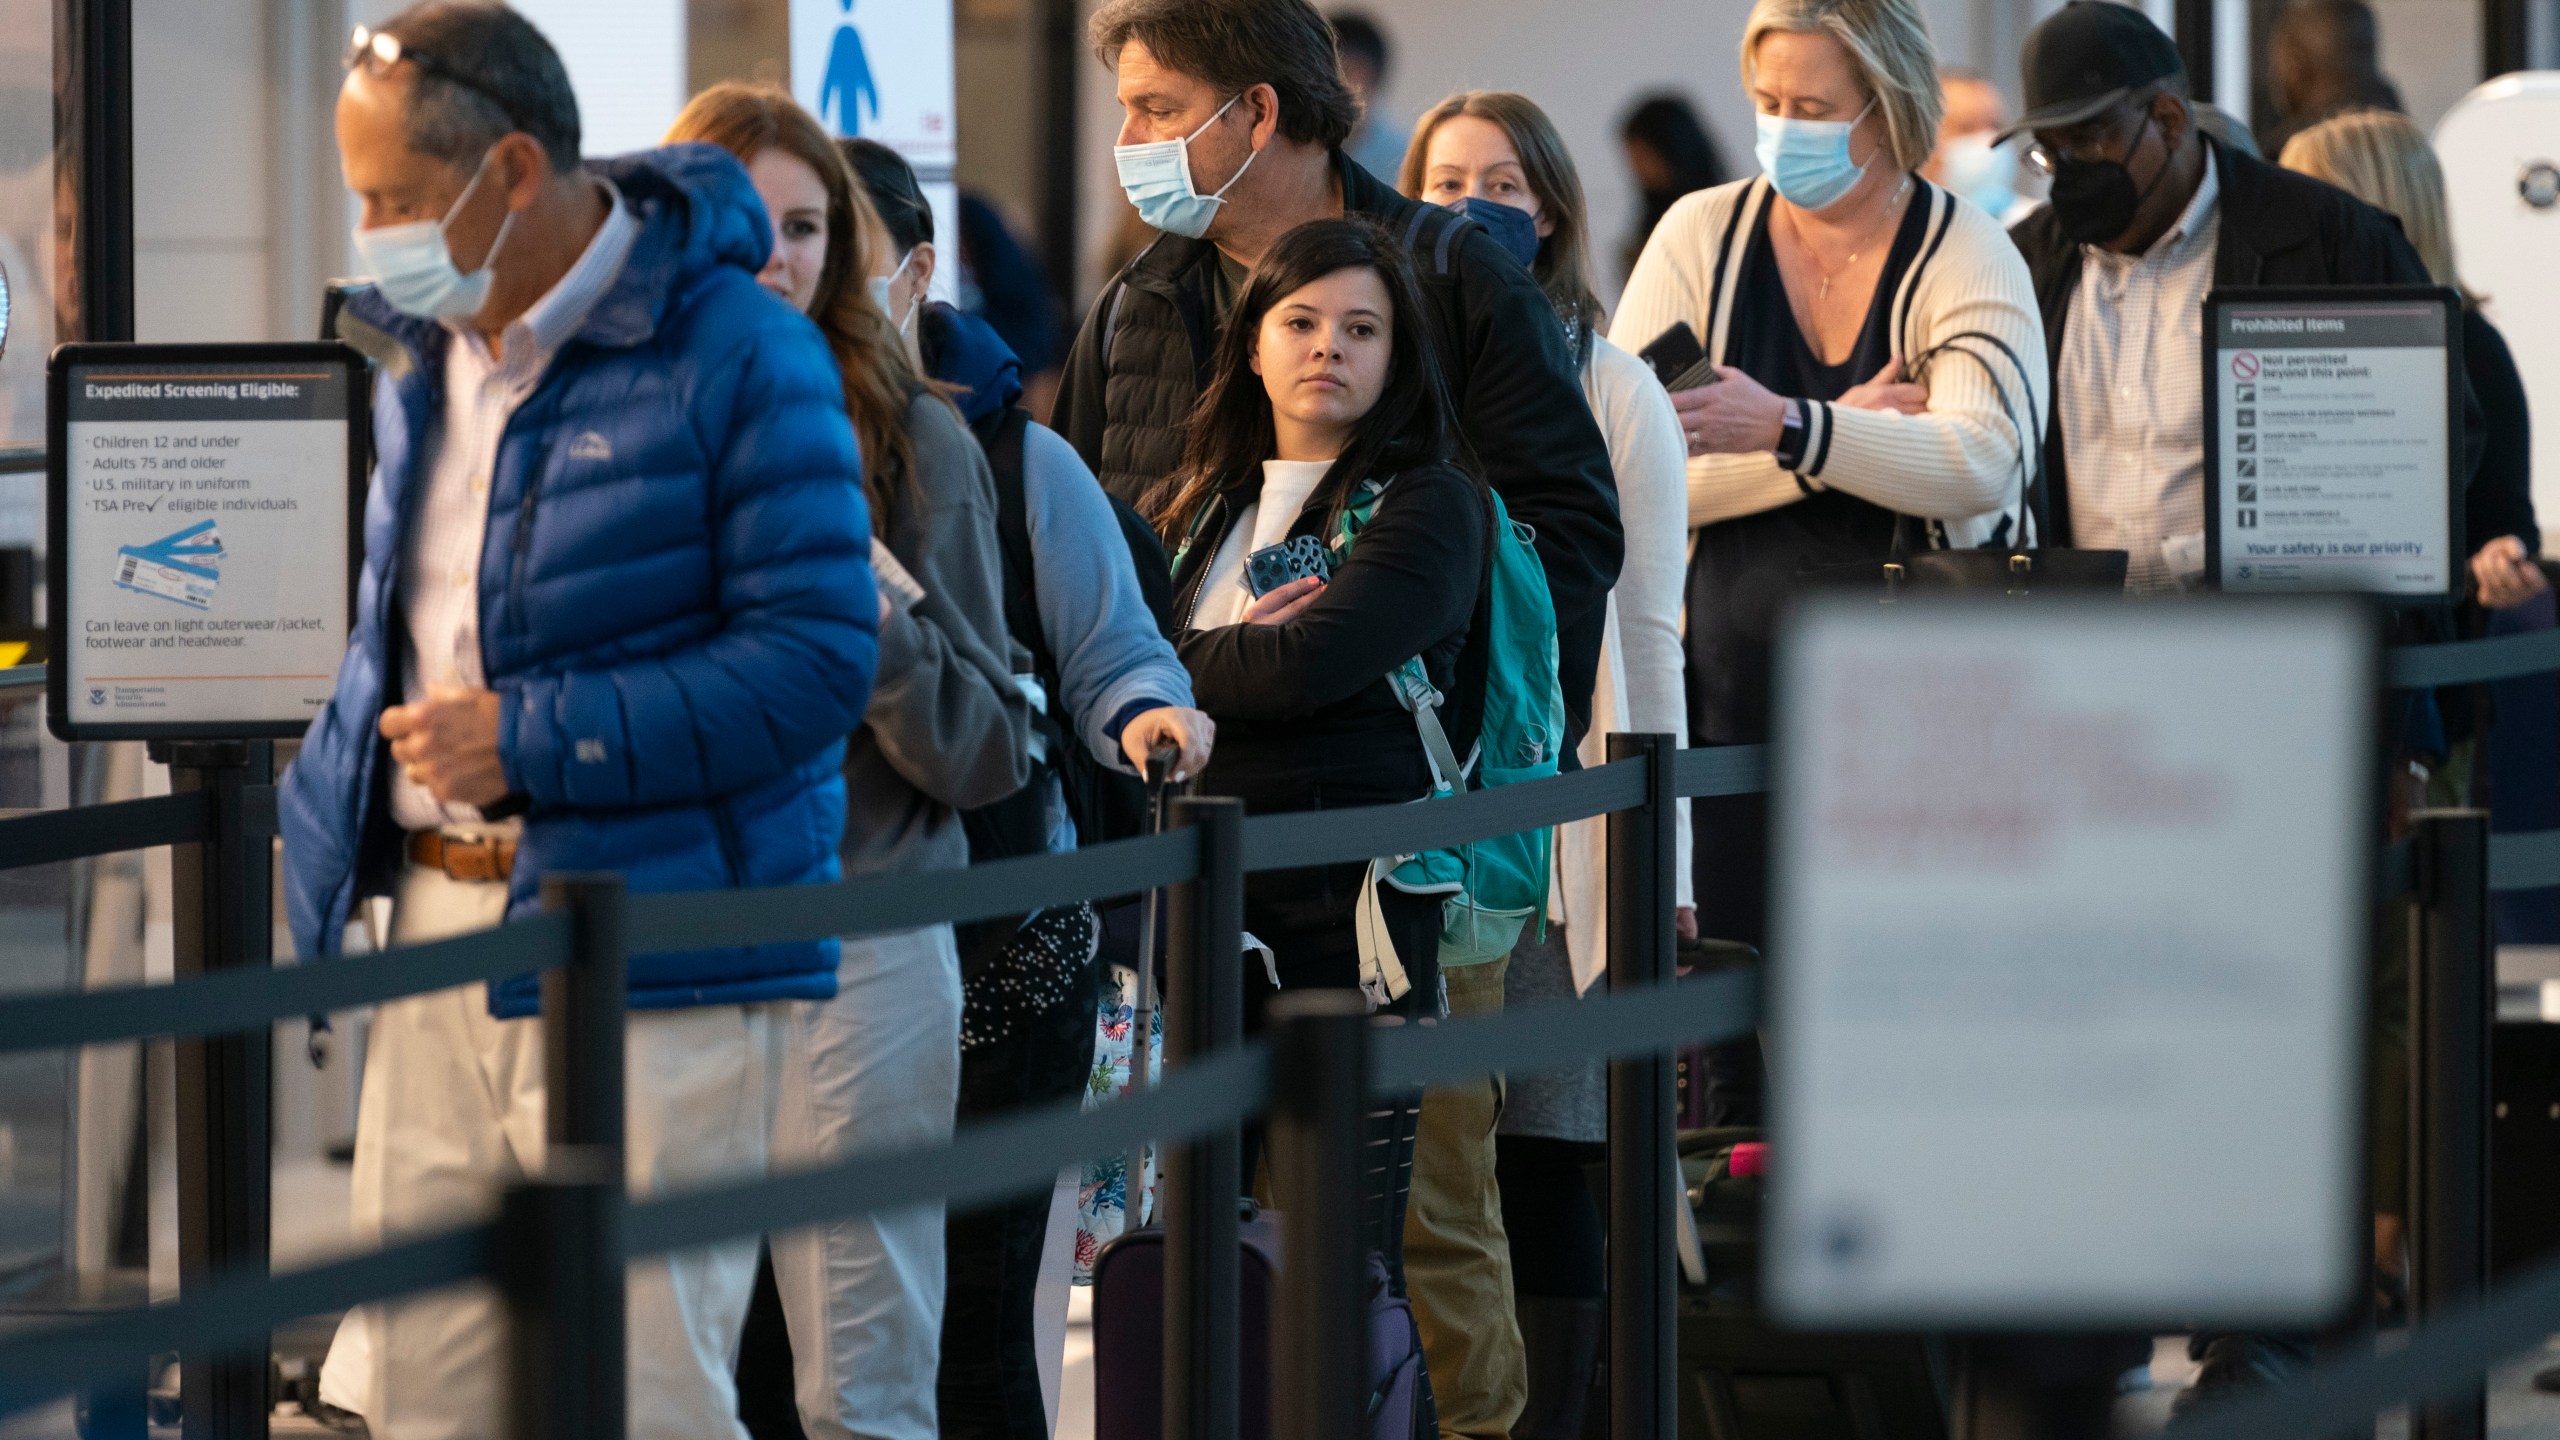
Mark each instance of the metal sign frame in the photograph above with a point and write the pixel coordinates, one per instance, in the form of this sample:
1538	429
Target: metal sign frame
59	714
2457	567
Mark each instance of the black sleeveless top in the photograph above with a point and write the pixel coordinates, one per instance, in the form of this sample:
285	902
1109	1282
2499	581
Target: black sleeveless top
1744	568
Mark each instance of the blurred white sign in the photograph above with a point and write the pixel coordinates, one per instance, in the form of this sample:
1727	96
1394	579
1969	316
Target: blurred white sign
2071	935
881	69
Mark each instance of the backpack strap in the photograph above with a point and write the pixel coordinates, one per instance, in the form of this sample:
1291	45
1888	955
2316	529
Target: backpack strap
1001	436
1431	238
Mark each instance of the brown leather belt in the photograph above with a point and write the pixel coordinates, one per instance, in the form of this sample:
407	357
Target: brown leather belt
476	857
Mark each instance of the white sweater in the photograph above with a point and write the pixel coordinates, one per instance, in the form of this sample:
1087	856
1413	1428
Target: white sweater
1640	687
1959	462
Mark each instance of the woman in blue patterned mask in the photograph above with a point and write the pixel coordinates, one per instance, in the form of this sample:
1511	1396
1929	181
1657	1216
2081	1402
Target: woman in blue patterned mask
1496	157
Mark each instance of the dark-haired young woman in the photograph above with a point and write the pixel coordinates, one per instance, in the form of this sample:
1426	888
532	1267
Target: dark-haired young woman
1325	397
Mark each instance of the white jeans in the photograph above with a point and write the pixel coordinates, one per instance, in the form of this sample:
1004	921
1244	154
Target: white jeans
876	1067
452	1115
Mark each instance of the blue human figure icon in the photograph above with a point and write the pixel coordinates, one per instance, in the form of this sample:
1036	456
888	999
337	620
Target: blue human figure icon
848	84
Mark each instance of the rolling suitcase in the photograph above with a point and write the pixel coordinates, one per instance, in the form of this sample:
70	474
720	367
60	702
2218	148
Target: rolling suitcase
1128	1338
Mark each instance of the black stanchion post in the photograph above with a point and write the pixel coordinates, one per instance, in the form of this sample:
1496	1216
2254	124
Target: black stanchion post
1320	1102
1643	1153
2452	1006
1204	1014
223	919
560	1258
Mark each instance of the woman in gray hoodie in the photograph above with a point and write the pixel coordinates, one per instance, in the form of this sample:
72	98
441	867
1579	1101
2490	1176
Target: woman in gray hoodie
948	730
1112	691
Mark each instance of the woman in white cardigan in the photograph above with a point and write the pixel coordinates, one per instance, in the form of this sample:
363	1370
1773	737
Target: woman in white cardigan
1497	155
1880	380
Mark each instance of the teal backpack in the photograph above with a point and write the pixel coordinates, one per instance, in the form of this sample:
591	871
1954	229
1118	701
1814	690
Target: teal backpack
1493	888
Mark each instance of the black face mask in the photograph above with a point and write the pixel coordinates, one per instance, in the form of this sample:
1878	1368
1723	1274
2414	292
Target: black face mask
2094	200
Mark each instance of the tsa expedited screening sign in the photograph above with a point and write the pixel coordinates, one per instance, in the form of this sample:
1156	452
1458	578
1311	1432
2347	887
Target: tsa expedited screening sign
2332	441
2069	982
882	70
203	501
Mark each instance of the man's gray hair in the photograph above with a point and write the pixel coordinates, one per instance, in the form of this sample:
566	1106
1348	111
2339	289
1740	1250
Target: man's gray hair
483	71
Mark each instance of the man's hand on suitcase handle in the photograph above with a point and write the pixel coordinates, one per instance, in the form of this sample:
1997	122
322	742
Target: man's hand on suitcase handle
1178	728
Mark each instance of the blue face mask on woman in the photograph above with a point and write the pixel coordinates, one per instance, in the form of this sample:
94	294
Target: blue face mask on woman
1516	229
1808	160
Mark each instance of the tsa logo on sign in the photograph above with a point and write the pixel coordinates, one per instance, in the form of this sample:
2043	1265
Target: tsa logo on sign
97	694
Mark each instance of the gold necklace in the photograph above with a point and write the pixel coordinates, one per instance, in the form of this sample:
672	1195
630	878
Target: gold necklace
1868	239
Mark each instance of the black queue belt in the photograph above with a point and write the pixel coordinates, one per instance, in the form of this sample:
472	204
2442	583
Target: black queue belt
37	1364
982	1162
49	837
885	904
232	1000
1333	837
2524	860
2472	662
2443	1356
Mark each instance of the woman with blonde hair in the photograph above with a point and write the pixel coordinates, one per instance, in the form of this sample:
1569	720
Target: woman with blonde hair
2383	159
1496	157
948	730
1880	381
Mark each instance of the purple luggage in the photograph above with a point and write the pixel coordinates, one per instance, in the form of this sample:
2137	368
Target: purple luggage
1128	1338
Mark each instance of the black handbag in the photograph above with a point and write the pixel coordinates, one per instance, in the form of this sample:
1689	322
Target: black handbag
2004	564
1997	567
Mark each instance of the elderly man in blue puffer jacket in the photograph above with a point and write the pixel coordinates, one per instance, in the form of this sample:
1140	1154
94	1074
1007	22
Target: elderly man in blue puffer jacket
616	614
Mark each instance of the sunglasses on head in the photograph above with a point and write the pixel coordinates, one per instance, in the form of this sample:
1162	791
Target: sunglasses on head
377	53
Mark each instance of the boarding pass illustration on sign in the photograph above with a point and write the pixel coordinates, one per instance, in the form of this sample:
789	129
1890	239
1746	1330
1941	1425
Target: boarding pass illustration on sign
184	566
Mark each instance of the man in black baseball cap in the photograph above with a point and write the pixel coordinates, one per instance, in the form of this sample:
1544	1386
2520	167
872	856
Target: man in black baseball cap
2147	214
2087	59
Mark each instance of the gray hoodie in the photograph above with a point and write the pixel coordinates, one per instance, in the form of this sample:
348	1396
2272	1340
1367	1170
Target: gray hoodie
948	729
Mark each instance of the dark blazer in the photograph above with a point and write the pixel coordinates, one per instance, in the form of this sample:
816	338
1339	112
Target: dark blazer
2278	228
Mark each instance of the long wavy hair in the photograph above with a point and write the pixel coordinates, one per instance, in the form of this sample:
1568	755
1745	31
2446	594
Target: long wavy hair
1230	431
1563	267
879	378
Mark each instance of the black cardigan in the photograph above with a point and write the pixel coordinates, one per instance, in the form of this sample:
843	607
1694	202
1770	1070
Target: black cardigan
1310	699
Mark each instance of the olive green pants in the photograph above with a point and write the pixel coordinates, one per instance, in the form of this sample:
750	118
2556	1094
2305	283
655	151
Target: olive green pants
1457	1260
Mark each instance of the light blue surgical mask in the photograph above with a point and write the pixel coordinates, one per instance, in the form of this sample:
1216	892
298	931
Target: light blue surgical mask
1808	160
413	267
881	285
1981	172
1157	179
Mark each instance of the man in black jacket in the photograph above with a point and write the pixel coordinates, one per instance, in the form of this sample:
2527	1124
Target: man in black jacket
2147	215
1236	113
1254	90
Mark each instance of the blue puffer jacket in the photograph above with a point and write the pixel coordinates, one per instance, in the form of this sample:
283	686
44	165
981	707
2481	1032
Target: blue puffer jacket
676	604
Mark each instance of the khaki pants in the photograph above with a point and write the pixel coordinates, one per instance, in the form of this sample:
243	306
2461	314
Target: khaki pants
876	1068
1457	1261
453	1113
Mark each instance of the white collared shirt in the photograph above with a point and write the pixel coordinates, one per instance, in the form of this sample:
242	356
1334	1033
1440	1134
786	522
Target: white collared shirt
440	579
2131	397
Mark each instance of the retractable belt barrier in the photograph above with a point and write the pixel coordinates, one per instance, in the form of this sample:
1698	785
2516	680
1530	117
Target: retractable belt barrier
1210	1093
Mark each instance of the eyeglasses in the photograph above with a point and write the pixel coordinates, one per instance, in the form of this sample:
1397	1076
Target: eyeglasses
2085	141
377	53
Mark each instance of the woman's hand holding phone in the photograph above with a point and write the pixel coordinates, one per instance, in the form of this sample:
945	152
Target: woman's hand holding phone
1735	416
1280	606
